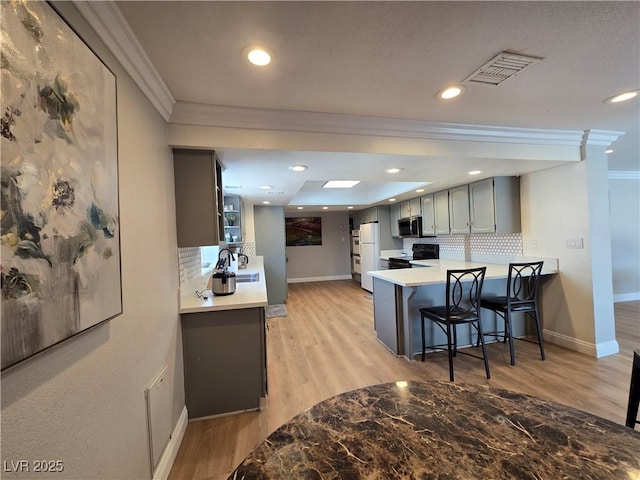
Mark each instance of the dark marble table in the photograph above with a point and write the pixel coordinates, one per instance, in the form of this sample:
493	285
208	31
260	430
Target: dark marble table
443	430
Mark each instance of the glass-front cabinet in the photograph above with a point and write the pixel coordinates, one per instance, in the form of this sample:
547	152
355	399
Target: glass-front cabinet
232	212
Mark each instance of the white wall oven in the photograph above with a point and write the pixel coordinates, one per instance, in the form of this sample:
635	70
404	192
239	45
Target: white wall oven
355	245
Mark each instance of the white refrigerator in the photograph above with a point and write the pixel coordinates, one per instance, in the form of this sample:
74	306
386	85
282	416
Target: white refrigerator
369	253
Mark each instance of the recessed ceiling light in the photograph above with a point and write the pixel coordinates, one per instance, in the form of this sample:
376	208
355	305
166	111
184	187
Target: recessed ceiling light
475	172
266	187
392	199
349	207
300	208
621	97
298	168
420	190
610	150
325	208
450	92
266	202
394	170
258	55
340	183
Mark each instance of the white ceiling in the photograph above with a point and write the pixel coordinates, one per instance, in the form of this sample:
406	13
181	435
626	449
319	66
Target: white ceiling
388	59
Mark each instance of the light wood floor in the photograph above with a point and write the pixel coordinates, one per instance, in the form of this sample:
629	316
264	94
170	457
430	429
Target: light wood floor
326	345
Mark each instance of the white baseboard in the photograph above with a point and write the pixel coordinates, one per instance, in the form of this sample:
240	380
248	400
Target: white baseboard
592	349
319	279
626	297
171	451
607	348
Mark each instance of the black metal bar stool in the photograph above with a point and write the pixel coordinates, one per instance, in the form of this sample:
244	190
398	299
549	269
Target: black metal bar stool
464	288
634	392
522	296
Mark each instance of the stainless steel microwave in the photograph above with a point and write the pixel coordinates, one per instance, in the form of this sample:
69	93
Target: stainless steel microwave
410	226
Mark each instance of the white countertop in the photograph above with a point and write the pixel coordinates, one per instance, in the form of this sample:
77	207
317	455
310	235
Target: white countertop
387	254
247	294
437	271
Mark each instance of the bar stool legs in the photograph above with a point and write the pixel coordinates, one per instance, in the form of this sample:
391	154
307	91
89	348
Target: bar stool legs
634	392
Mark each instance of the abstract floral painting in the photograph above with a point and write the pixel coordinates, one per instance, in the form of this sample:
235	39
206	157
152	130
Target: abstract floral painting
60	234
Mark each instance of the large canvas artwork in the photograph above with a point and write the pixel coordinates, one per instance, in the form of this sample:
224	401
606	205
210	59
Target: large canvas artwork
60	235
302	231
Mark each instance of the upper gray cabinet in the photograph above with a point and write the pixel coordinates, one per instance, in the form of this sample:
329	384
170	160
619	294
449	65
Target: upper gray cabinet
441	212
411	208
198	191
494	205
428	215
459	221
394	216
369	215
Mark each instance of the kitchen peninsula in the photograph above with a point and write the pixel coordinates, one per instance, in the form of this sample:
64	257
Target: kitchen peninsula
224	343
399	294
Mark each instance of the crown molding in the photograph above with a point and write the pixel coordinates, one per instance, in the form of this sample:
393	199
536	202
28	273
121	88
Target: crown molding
624	175
601	137
112	28
185	113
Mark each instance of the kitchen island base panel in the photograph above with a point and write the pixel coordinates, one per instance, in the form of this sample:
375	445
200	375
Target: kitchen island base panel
398	324
385	307
224	361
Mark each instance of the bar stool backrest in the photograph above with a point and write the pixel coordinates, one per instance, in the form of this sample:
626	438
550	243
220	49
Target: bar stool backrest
464	288
522	285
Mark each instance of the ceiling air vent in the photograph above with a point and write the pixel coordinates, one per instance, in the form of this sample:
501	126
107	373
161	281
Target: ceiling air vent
501	67
274	193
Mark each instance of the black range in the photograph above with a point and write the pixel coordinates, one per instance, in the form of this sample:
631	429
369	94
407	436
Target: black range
421	251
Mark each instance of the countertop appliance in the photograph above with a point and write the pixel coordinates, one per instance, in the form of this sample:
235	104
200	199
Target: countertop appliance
421	251
223	282
369	253
410	226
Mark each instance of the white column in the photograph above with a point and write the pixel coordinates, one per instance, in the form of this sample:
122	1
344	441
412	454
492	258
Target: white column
593	152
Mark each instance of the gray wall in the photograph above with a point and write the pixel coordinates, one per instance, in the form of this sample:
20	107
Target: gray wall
624	205
82	402
328	261
270	244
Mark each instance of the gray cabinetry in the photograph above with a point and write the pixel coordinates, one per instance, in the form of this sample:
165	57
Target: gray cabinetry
198	192
357	219
365	216
441	212
494	205
394	216
369	215
405	209
428	215
415	207
388	240
410	208
459	210
225	365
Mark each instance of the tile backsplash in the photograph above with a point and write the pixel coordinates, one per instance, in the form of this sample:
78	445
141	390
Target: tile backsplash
189	263
466	245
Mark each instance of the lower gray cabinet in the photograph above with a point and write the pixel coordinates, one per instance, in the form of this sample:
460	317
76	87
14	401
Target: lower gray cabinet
225	364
